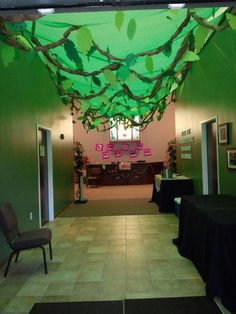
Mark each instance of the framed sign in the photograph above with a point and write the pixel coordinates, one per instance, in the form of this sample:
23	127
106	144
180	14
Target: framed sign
223	133
231	158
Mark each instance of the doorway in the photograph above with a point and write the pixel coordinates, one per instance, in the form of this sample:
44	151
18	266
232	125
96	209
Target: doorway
45	183
210	157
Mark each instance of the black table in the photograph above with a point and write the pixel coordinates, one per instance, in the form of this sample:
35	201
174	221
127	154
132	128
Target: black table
207	236
169	189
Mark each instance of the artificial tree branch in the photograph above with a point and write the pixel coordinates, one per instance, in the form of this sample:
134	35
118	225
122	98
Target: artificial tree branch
59	42
202	21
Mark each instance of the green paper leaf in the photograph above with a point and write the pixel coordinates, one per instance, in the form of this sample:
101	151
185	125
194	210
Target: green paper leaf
65	100
85	105
163	91
96	122
123	72
190	56
132	77
108	51
231	19
23	42
67	84
73	54
96	81
149	63
110	77
84	39
131	29
113	108
174	87
167	51
120	94
146	100
130	59
8	54
200	37
119	19
144	109
105	100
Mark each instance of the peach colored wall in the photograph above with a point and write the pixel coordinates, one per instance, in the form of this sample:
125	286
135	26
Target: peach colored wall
155	136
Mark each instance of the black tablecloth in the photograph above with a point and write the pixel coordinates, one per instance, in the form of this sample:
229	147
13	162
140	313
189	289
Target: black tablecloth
169	189
207	236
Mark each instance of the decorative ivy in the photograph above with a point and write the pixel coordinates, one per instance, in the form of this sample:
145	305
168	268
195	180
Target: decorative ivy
110	94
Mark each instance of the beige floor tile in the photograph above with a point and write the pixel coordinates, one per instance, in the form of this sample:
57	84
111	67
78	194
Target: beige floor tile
102	258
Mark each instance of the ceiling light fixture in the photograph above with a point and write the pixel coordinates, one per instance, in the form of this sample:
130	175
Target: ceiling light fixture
176	6
46	11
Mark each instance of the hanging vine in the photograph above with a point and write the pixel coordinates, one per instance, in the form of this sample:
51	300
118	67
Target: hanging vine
111	95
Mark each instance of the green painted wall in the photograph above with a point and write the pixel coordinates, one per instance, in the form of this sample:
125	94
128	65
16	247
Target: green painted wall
209	90
28	97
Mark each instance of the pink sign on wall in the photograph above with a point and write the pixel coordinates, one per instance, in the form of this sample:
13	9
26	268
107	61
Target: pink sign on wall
125	146
147	152
132	154
105	155
118	153
110	147
99	147
139	146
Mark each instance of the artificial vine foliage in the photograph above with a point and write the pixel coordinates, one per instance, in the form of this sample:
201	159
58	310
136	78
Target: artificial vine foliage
125	86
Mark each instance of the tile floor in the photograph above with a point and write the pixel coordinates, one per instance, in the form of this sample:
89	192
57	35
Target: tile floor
102	258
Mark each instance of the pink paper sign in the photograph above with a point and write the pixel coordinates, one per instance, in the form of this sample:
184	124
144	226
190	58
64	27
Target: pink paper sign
99	147
139	146
132	154
110	147
147	152
125	146
118	153
105	155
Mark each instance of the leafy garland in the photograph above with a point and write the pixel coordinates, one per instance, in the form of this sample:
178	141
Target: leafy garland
117	73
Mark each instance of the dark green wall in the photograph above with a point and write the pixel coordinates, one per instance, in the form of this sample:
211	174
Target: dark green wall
209	90
27	98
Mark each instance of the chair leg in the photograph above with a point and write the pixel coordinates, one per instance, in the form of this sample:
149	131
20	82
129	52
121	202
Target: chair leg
50	250
17	255
8	264
44	260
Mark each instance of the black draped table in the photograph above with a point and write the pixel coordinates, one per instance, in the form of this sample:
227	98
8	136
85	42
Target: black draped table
166	189
207	236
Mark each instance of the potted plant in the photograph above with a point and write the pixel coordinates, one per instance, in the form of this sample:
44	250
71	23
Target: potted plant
79	162
170	164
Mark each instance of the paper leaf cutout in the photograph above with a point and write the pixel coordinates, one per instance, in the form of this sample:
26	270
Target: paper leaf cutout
71	52
96	122
110	77
23	42
190	56
131	29
231	20
8	54
85	104
130	59
200	37
119	19
105	100
167	51
123	73
149	63
84	39
67	84
96	81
